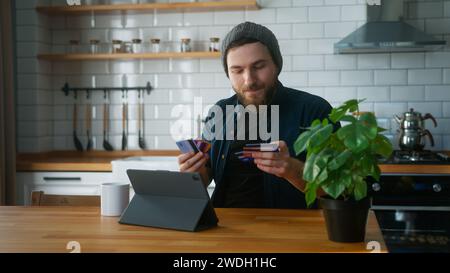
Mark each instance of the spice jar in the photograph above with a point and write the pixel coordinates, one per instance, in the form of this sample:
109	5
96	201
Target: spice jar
116	46
214	44
74	46
185	45
94	46
127	47
155	45
137	47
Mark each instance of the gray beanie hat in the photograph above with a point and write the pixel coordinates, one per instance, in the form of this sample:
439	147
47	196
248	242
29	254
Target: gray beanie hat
257	32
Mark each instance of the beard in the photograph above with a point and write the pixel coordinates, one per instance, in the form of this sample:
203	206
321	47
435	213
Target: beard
268	92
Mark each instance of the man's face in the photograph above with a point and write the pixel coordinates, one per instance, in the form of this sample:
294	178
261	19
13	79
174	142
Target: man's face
252	73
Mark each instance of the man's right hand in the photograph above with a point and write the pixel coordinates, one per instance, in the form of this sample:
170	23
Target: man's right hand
193	162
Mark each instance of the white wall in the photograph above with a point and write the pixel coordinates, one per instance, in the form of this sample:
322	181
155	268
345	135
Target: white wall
306	29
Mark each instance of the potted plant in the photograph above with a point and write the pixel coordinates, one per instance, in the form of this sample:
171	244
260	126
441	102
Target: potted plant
339	163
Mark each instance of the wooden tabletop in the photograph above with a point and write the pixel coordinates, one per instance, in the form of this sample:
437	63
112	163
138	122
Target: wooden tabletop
50	229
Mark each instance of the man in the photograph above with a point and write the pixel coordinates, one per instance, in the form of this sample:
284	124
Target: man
252	61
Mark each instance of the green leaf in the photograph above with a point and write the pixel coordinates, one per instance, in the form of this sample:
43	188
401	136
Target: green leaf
320	136
301	142
315	123
354	137
336	114
346	179
323	157
334	189
369	121
322	176
310	170
351	105
381	129
382	146
340	160
310	193
366	164
360	188
376	173
348	118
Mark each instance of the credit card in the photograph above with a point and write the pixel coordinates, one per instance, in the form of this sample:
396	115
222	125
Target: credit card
190	145
187	146
261	147
202	145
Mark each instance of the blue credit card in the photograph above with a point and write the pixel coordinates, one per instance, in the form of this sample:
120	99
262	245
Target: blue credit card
187	146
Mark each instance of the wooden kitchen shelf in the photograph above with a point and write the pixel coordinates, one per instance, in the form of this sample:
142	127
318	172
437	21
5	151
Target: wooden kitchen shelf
181	6
121	56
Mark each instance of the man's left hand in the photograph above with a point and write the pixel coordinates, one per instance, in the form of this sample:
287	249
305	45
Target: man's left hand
279	163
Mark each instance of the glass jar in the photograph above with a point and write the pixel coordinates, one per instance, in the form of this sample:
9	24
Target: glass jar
137	45
116	46
155	45
185	45
127	47
214	44
74	46
94	45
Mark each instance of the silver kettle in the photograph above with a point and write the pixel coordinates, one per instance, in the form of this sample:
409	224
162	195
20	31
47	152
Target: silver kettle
412	130
413	139
413	120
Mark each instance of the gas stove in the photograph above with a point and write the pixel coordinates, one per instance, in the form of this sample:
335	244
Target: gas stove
416	157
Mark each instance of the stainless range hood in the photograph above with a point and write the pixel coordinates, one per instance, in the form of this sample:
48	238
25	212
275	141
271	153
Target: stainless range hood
385	31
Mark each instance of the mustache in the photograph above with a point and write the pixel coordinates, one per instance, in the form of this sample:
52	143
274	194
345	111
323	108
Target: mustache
252	87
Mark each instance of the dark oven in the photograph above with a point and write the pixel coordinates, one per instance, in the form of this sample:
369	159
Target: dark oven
413	210
411	192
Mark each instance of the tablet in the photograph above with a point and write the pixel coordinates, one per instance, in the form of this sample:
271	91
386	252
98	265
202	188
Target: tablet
165	199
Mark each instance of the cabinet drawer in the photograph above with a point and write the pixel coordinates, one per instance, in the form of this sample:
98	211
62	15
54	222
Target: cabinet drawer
67	183
65	177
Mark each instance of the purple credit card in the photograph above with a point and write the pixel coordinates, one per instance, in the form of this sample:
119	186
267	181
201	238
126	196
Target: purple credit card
190	145
187	146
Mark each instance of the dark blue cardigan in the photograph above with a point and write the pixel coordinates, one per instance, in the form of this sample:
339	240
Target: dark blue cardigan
297	110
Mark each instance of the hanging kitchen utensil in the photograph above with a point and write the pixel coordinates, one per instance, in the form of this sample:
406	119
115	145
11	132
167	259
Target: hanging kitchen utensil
90	143
124	121
106	144
76	141
141	120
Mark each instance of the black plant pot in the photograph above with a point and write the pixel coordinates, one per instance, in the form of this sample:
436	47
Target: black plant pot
346	220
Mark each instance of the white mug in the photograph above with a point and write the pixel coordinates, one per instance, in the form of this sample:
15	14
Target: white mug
114	198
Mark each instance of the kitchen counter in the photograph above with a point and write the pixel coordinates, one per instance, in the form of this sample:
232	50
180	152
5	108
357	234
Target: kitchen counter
49	229
100	161
72	161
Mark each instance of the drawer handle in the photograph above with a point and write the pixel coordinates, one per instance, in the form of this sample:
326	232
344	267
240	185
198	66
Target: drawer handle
54	179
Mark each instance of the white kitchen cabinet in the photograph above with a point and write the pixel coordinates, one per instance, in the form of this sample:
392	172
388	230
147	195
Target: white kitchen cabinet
69	183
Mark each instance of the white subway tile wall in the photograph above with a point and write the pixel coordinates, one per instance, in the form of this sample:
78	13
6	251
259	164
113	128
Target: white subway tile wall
391	83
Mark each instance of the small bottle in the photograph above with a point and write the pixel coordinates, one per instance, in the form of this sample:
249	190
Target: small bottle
116	46
137	47
94	45
214	44
74	46
155	45
185	45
